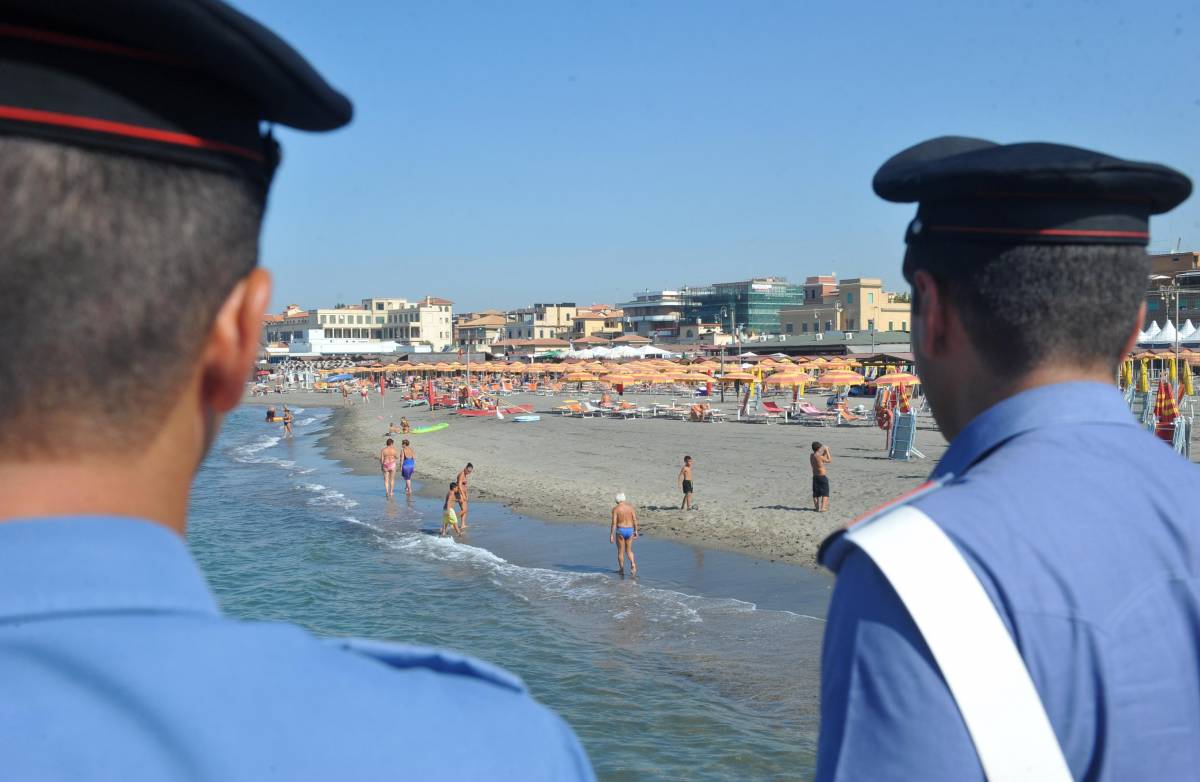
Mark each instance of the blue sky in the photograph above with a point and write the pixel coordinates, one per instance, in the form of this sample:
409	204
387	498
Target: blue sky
510	152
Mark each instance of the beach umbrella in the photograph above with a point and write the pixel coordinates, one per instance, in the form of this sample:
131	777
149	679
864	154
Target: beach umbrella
692	377
1174	372
730	377
897	379
1165	408
840	377
578	377
1143	385
1187	380
789	378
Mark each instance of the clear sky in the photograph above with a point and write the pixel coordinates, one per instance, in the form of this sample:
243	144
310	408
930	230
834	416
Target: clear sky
515	151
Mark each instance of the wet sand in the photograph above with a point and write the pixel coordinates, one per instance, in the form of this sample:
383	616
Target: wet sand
752	481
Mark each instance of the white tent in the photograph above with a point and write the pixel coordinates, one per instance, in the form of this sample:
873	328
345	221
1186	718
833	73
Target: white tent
748	354
1187	330
1151	332
1166	336
647	351
621	351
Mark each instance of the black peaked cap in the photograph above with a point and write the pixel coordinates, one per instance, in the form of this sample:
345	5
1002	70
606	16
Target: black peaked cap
187	81
975	190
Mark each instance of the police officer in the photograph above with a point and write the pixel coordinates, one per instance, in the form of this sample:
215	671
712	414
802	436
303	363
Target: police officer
1054	527
133	176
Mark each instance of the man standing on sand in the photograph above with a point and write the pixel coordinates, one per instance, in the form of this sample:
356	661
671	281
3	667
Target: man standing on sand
685	483
136	159
623	531
448	518
387	463
408	465
463	478
1030	611
820	483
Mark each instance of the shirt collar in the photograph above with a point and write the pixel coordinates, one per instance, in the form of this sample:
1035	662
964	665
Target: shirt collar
1060	403
88	564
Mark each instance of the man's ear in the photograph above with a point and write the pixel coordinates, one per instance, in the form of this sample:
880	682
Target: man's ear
933	314
233	342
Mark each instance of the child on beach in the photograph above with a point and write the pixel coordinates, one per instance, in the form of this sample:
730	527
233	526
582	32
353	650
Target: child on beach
820	483
448	516
685	483
387	463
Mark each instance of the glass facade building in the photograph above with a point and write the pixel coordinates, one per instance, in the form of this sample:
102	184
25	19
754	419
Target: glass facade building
751	305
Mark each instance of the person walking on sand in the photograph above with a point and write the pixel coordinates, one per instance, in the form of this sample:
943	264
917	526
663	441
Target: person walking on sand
448	518
685	483
408	464
623	531
387	463
463	478
288	418
818	459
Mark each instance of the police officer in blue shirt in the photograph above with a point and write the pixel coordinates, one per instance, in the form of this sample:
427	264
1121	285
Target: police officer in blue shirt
133	176
1055	527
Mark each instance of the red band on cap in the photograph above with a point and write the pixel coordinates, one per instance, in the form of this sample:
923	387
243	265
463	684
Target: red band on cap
1042	232
88	44
123	129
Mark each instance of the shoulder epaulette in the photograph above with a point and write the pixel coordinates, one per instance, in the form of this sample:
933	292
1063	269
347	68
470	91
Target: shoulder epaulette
439	660
835	548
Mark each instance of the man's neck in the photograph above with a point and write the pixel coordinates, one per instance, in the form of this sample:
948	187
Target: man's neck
100	485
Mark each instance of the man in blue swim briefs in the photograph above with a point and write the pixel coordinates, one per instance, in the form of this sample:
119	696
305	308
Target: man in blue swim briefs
623	532
408	464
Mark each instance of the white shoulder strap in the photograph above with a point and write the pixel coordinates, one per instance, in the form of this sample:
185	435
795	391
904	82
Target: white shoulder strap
972	647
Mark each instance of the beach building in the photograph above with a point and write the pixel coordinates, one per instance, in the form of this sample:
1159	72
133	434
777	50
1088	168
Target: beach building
654	314
480	331
1173	292
429	321
542	321
855	304
598	320
750	307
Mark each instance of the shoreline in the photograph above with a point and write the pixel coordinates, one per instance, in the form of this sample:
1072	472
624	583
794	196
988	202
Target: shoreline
752	480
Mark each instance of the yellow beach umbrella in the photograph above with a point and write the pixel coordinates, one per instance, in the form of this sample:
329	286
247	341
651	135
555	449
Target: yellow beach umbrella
791	378
730	377
1187	380
840	377
1143	384
579	377
692	377
897	379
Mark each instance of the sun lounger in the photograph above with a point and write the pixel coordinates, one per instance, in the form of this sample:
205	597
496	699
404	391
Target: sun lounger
772	410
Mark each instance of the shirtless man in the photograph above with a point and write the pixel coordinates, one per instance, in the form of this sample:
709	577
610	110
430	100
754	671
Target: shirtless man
387	463
408	464
345	395
819	458
685	483
623	532
288	418
448	517
462	480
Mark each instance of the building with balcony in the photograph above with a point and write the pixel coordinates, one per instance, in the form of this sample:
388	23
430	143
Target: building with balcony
542	321
480	331
598	320
856	304
1174	280
654	314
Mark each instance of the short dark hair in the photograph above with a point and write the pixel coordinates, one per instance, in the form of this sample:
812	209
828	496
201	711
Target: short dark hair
113	269
390	441
687	458
469	466
453	484
404	442
816	446
1025	305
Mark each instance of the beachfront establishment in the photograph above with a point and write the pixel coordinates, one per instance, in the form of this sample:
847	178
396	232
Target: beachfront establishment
376	325
542	321
855	304
654	314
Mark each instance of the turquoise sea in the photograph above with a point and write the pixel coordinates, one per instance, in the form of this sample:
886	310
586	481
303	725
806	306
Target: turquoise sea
704	668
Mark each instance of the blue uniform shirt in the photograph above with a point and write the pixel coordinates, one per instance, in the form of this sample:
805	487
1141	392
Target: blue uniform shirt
116	664
1084	530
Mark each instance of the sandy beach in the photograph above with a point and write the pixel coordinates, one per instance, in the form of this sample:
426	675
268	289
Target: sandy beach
753	481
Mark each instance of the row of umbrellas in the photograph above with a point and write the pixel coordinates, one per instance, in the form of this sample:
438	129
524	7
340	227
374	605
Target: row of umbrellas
834	372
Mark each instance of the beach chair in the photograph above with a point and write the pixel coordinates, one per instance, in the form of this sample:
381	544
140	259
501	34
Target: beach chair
591	411
806	413
568	407
775	411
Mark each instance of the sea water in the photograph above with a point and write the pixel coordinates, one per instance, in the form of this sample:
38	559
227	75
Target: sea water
705	667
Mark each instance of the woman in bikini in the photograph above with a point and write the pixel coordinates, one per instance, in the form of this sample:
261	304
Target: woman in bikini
387	463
